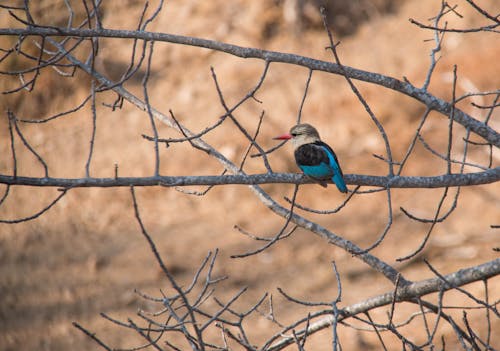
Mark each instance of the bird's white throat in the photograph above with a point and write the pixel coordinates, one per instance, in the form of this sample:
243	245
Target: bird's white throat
302	139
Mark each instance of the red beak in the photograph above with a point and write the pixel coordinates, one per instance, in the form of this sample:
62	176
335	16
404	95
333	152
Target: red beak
283	137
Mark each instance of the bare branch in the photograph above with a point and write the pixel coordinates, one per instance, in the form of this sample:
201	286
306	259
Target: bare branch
39	213
406	88
407	293
446	180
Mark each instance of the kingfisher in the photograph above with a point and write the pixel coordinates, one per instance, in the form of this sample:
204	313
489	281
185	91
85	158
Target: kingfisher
314	157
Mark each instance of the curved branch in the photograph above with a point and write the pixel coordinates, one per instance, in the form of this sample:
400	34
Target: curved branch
403	87
408	293
39	213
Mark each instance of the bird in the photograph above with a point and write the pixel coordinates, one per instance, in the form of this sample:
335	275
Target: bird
315	158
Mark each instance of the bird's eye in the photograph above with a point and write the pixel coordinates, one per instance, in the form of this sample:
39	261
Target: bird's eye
294	134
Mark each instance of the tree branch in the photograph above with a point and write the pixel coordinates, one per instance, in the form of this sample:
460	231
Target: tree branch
406	88
445	180
408	293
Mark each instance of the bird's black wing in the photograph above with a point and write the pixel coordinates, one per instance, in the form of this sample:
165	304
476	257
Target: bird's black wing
311	154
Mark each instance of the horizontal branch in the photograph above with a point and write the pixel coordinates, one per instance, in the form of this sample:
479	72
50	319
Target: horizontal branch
410	292
446	180
406	88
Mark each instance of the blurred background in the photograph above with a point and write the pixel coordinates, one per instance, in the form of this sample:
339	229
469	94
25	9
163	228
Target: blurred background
87	255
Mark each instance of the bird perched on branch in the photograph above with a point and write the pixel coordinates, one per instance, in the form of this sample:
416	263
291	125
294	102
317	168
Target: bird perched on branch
314	157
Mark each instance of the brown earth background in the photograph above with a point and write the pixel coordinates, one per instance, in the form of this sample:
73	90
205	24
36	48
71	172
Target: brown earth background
87	255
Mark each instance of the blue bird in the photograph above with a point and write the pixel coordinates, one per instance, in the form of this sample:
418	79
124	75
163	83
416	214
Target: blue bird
314	157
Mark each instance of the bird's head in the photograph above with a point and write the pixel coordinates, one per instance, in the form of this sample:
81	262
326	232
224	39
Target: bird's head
301	134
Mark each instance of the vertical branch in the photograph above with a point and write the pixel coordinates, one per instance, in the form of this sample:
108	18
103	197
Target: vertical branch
335	342
11	117
94	127
150	113
92	13
306	89
487	311
450	121
91	59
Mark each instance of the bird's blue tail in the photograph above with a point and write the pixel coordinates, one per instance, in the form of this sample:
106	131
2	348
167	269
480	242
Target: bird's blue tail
339	182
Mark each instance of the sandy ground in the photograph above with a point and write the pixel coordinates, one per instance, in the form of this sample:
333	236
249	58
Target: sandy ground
87	255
